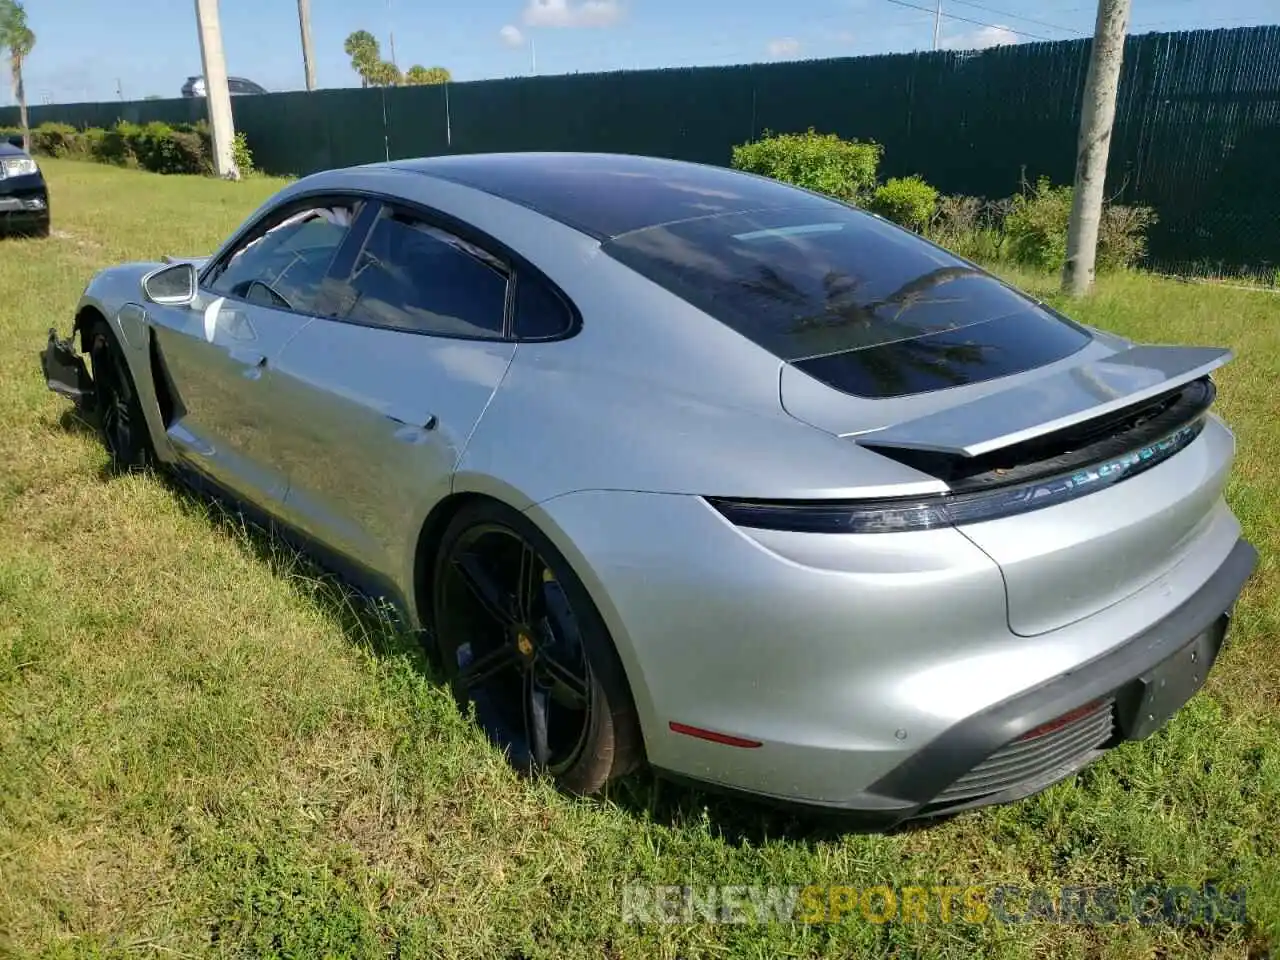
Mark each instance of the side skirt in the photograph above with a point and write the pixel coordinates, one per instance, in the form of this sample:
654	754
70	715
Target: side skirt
368	583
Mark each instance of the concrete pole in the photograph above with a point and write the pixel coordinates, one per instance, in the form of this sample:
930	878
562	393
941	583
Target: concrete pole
217	95
937	23
1094	145
391	32
308	56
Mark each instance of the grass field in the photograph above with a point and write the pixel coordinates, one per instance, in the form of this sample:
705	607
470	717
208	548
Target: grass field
207	749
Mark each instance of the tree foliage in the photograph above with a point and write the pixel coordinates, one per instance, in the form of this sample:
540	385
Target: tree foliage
815	161
418	75
384	73
18	39
366	60
365	53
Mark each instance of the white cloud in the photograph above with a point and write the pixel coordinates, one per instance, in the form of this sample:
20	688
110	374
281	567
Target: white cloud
844	36
784	47
511	36
572	13
981	39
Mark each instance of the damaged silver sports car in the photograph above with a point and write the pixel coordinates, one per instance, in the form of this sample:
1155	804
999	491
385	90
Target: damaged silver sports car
680	466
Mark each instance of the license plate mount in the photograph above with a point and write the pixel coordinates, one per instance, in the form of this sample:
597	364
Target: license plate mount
1149	702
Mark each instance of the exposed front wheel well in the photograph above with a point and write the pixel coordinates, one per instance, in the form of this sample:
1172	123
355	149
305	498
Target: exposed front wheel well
83	322
161	386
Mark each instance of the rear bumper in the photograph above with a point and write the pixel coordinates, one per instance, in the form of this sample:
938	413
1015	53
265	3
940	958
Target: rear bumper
1095	706
865	674
1116	677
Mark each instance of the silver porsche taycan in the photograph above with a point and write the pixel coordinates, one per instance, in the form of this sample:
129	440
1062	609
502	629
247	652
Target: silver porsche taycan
675	465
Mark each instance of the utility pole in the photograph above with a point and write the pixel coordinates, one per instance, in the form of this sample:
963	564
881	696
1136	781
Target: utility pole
533	56
937	23
308	57
391	32
216	93
1094	145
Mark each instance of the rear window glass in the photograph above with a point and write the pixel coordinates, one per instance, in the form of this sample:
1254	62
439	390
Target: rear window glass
815	290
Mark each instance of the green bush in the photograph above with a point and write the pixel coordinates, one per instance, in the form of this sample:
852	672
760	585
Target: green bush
161	148
1037	223
157	147
1122	236
845	169
907	201
116	145
984	245
241	155
57	140
957	216
1036	227
972	227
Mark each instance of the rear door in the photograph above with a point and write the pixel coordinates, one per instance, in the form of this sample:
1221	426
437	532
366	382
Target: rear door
387	393
219	352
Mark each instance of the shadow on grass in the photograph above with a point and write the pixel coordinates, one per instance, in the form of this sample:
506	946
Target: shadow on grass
740	820
376	625
75	421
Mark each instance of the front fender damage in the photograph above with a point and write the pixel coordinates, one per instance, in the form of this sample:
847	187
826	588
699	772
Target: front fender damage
64	369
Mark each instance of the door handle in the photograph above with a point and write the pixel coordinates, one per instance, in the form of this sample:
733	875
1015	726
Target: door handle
253	362
411	432
250	358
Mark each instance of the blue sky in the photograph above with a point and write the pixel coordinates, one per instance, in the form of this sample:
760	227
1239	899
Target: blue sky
85	48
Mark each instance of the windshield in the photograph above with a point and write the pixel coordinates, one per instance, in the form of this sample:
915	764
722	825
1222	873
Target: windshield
847	297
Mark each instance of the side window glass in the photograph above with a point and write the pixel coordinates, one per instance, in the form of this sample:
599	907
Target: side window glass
540	312
286	266
412	276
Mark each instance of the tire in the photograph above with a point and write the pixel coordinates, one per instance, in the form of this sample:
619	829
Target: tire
121	424
558	633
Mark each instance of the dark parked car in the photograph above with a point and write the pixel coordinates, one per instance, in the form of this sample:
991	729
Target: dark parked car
24	197
239	86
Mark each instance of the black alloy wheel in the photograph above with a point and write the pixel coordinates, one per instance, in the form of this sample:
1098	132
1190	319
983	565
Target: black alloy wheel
120	419
520	640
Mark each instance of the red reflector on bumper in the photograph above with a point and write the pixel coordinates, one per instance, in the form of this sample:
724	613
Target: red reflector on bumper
711	735
1059	722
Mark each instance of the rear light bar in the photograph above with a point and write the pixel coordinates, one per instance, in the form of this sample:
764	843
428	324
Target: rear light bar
901	515
1057	723
713	736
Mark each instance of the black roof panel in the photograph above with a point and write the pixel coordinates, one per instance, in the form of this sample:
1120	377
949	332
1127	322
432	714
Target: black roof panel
607	195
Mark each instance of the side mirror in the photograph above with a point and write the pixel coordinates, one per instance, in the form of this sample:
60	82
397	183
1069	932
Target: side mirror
171	286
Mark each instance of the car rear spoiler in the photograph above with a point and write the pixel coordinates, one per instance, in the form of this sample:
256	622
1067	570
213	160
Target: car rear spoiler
1054	403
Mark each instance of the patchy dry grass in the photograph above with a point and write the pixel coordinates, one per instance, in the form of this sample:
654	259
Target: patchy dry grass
207	750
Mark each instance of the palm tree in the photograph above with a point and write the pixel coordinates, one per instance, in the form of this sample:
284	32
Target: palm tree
18	39
365	53
382	73
419	75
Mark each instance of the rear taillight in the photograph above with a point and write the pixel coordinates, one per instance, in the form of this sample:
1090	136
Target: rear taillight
900	515
1057	723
